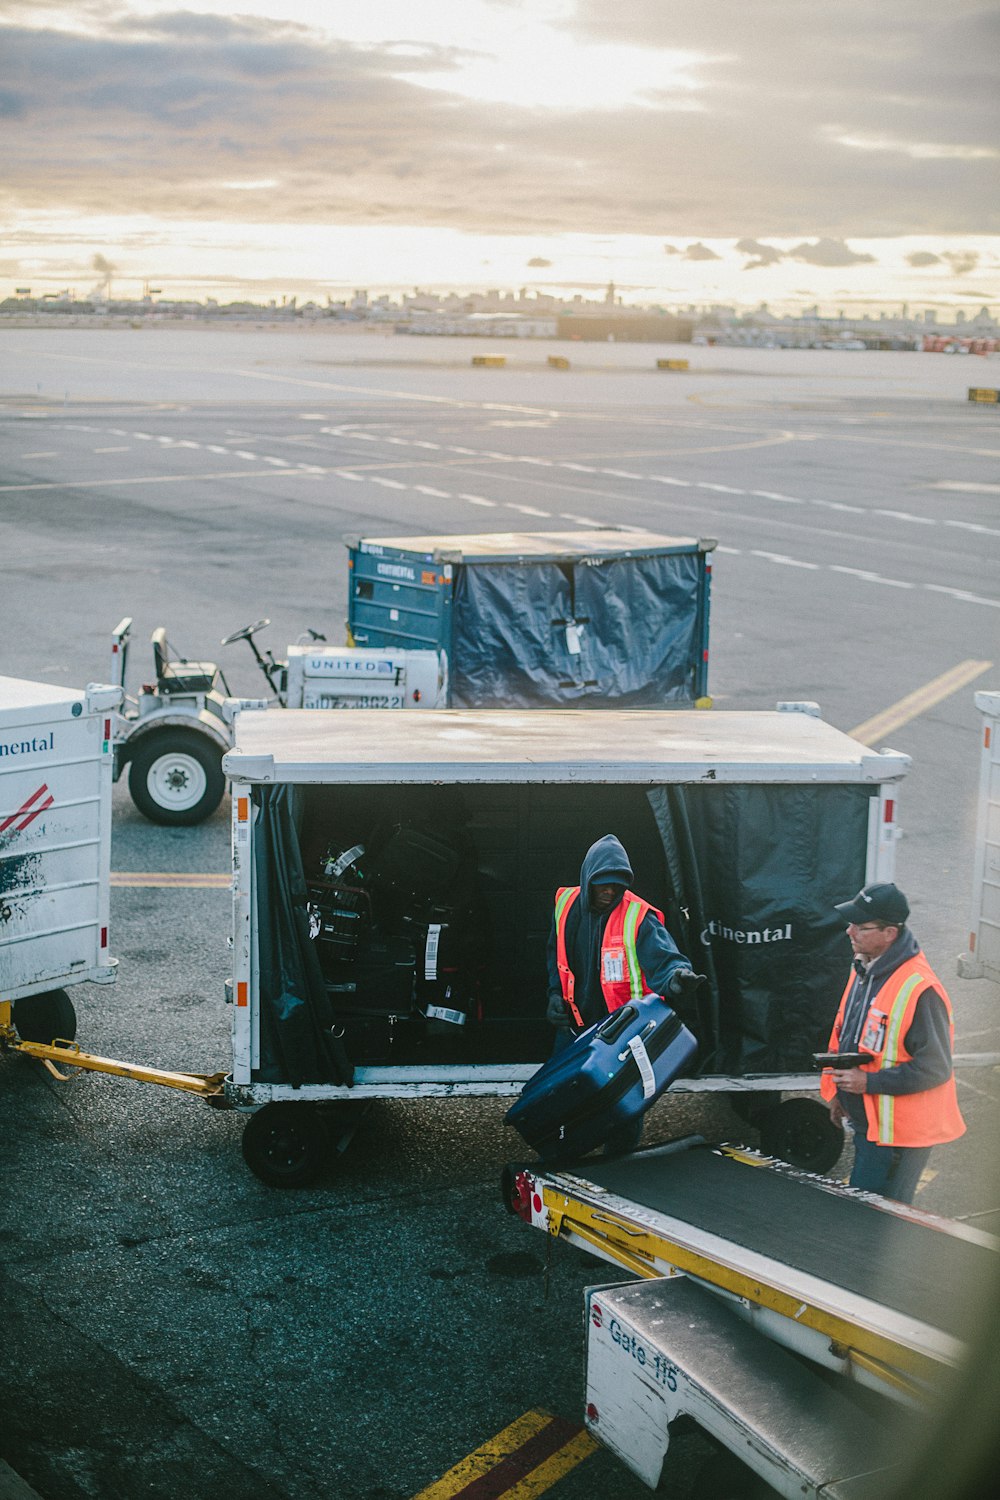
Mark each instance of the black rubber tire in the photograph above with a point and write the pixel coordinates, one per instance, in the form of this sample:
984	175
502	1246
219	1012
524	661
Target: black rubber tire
725	1477
286	1145
750	1107
43	1018
178	759
801	1132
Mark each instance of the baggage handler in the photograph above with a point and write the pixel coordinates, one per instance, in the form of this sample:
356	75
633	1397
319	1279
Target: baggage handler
895	1009
608	946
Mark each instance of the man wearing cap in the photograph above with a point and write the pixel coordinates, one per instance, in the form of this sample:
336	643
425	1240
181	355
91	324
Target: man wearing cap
895	1011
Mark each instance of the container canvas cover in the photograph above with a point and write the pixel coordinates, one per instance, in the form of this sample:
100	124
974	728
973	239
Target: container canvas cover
613	632
755	871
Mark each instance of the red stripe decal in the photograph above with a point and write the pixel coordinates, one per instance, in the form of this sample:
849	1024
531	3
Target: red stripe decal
497	1481
25	806
33	815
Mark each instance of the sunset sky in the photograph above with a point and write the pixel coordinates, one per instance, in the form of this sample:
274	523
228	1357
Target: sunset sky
843	152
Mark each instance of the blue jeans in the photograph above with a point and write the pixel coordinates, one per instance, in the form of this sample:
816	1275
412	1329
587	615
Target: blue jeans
893	1171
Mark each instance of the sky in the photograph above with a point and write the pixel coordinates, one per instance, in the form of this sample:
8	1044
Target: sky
840	153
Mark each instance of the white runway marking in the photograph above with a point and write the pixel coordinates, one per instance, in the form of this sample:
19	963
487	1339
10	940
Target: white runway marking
479	500
48	453
869	577
785	562
966	486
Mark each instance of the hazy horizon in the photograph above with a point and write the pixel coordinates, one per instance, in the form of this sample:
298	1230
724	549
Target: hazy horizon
733	153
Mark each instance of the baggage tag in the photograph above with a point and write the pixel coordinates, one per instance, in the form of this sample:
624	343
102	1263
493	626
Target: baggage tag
637	1047
431	951
573	634
613	965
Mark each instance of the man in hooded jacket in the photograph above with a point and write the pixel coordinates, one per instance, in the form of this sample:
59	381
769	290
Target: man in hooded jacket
607	946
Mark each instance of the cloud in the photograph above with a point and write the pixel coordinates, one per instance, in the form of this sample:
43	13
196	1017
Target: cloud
700	252
762	255
539	262
827	252
150	115
923	258
961	261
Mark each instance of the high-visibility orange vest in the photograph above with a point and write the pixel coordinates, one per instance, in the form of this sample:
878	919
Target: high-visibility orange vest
622	978
929	1118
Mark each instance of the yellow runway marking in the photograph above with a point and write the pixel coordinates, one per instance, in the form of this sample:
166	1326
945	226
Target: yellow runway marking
192	879
918	702
519	1463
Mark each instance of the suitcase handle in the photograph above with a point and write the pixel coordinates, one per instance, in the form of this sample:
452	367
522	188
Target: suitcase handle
616	1023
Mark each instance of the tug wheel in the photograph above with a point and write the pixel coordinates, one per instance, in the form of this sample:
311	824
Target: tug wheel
176	777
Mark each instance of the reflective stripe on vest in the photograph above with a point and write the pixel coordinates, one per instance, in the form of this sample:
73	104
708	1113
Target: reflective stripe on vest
884	1103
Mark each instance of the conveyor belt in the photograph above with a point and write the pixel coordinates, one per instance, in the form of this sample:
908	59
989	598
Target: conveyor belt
916	1269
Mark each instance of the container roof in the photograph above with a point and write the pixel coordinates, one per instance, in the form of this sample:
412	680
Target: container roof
397	746
511	546
18	694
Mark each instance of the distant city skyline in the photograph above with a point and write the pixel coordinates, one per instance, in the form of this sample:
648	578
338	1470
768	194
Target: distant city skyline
733	153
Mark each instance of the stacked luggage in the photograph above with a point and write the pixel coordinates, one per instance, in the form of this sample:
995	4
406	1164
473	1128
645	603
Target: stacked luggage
395	928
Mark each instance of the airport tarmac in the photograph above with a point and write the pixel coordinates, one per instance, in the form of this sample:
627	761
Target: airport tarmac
176	1327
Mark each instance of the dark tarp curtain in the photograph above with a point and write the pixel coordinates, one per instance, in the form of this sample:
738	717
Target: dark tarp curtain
296	1042
640	629
755	871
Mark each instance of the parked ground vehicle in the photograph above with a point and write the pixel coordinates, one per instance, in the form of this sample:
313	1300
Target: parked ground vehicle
500	807
392	896
55	850
172	735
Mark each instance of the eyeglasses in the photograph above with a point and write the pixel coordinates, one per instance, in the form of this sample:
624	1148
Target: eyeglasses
869	926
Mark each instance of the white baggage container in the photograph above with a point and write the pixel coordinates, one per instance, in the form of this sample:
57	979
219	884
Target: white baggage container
56	756
804	812
351	677
983	957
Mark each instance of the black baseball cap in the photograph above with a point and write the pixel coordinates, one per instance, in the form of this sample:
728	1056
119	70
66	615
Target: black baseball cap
883	902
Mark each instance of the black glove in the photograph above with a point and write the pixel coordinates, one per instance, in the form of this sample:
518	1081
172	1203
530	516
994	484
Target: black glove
684	982
557	1015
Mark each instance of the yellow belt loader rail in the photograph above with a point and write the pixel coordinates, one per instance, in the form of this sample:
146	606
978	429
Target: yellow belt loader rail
745	1269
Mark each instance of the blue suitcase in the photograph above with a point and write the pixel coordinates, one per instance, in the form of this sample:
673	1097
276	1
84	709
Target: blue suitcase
608	1076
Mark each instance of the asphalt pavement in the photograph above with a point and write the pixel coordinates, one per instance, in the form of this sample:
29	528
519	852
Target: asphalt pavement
175	1327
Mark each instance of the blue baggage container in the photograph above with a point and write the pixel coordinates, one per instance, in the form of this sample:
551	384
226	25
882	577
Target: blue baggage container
607	1077
609	618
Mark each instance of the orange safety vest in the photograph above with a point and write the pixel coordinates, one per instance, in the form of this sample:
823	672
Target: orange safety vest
928	1118
622	979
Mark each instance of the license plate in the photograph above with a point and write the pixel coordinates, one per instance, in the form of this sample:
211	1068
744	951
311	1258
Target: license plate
363	700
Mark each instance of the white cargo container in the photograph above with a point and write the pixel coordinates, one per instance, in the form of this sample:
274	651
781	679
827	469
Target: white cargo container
744	827
56	752
983	957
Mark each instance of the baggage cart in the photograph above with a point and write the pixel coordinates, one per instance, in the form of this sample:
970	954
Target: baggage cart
609	618
56	757
463	824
